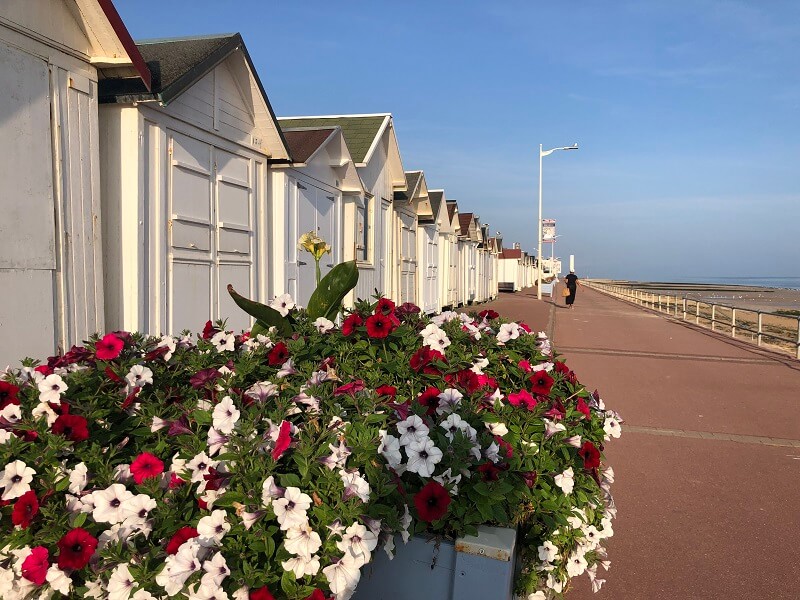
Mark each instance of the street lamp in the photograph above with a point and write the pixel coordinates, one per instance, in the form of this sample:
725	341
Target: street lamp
543	153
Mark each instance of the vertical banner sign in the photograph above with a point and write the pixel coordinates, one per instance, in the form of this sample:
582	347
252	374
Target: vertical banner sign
548	230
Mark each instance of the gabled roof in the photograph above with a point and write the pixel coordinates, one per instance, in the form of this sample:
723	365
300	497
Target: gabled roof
360	131
413	179
304	143
452	205
464	221
436	202
176	64
511	253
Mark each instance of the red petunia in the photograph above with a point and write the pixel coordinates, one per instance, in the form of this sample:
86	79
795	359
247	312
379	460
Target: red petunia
590	455
525	365
350	389
44	370
261	593
432	502
145	466
582	407
8	394
386	390
205	378
278	355
384	307
542	383
488	471
507	448
179	537
488	314
530	478
378	326
429	399
72	427
350	323
284	439
209	330
112	376
422	358
318	594
109	348
75	549
522	397
25	508
34	567
524	327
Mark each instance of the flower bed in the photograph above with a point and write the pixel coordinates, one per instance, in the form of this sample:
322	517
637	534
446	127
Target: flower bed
274	466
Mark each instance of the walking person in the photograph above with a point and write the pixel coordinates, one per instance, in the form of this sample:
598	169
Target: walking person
572	285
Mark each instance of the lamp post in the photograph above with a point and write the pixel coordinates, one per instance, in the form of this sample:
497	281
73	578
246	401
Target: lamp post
542	154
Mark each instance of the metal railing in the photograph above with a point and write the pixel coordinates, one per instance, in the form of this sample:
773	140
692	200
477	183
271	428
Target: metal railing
763	328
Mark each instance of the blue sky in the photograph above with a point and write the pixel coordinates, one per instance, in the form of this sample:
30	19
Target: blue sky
687	114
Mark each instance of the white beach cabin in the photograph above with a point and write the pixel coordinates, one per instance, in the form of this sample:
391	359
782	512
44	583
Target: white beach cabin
307	195
468	258
184	182
448	247
367	220
452	296
432	216
52	54
407	205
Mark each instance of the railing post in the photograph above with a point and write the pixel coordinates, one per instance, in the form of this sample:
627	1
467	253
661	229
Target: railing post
733	322
797	353
713	317
684	308
760	323
696	312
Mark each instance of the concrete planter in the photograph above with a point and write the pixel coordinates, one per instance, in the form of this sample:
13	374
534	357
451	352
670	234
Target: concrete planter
473	568
547	288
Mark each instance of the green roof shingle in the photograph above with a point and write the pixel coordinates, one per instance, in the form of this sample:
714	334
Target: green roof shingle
359	132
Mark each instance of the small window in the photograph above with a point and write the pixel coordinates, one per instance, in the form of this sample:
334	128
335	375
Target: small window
363	231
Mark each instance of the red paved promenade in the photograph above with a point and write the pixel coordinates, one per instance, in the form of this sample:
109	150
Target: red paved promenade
708	466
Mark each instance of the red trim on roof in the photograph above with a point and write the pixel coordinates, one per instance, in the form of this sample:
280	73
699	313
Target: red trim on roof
511	253
127	41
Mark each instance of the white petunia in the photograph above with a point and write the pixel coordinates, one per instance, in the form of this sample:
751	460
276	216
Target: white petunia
540	595
120	584
42	409
110	504
270	490
138	377
498	429
216	441
507	332
199	467
51	388
212	528
225	415
545	366
302	565
412	429
554	583
16	480
302	539
548	552
283	304
262	391
59	580
478	365
138	509
574	441
492	452
576	565
423	456
566	481
390	449
447	479
358	542
168	342
338	456
291	509
612	428
551	428
224	341
354	485
454	423
437	340
449	400
343	576
286	369
323	325
216	569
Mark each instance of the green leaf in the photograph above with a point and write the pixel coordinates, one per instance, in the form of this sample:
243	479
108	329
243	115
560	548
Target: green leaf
328	297
264	314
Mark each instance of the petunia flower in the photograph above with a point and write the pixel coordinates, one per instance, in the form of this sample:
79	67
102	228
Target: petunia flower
301	565
283	304
76	548
51	388
548	552
354	485
612	428
412	429
25	508
225	415
109	504
302	539
283	441
432	502
423	456
15	480
290	510
338	456
449	400
216	570
390	449
35	565
286	369
323	325
109	348
343	576
566	481
145	466
59	580
212	528
358	542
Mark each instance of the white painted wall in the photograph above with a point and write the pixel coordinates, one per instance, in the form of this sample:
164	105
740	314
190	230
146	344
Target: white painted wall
49	194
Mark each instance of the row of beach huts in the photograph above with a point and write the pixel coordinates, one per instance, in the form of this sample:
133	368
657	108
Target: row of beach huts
140	178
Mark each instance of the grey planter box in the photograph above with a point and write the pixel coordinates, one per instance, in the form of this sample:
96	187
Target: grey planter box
473	568
547	288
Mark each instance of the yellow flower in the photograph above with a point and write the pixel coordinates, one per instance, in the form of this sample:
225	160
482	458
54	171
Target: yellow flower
315	245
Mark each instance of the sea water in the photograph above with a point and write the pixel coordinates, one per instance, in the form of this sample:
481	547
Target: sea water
787	283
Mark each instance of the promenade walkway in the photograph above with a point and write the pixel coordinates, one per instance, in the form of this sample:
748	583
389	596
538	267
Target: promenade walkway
708	466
